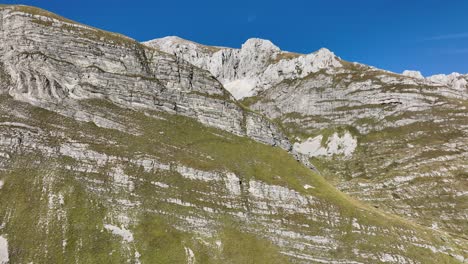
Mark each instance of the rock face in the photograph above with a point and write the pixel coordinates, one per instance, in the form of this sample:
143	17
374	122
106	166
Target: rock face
257	66
455	80
3	250
410	131
113	152
421	123
52	62
336	144
414	74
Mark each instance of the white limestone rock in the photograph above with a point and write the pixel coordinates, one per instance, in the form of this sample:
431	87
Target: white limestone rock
336	145
4	257
256	66
125	234
455	80
413	74
190	256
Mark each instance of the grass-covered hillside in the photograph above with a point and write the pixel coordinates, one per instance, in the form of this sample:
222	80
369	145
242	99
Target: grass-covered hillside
165	189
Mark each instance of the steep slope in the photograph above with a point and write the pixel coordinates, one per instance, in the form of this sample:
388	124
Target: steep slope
175	191
456	80
401	145
52	62
111	152
396	141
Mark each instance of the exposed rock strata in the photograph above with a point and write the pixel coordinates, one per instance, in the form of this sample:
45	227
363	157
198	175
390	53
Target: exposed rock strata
406	126
257	66
51	62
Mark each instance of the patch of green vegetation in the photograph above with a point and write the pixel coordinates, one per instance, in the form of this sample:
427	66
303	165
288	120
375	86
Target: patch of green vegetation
37	11
362	107
209	49
4	77
240	247
224	97
284	56
361	73
38	53
293	125
326	133
301	117
42	22
160	242
37	223
294	130
371	121
249	101
100	35
312	75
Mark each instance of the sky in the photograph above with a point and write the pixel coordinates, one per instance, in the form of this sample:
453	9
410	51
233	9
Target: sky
426	35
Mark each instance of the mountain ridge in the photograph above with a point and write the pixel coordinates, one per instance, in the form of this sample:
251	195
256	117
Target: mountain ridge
181	40
110	152
457	80
189	88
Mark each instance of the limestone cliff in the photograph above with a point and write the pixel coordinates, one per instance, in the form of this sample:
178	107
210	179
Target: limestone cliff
257	66
52	62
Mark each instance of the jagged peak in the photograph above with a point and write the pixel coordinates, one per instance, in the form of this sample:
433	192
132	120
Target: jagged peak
453	75
413	74
325	51
260	44
169	39
169	42
452	78
325	54
251	44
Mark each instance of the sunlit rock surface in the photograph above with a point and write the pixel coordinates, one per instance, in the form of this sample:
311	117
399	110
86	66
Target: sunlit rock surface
404	126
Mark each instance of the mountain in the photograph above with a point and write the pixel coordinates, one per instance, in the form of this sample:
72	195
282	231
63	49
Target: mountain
112	151
257	66
395	141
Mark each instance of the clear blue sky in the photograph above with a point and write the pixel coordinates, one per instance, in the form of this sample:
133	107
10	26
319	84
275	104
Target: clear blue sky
427	35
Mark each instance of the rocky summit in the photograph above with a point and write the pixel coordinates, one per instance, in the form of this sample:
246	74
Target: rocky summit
169	151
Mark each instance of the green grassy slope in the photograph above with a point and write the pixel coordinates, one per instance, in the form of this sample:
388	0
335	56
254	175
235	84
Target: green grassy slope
54	211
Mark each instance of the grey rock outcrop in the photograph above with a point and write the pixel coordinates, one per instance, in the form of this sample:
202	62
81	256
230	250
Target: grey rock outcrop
414	74
50	62
455	80
257	66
